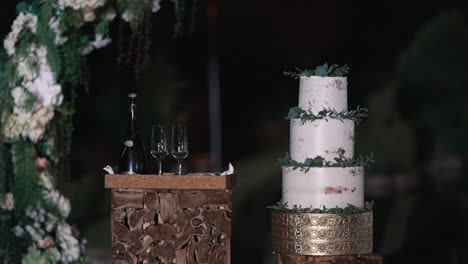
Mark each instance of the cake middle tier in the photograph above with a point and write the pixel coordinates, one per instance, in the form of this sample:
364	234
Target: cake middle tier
321	138
325	186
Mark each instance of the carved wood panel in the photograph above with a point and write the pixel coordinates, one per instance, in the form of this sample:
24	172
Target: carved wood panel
171	226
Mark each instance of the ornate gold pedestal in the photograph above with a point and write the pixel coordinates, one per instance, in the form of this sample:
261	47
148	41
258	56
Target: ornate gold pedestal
321	234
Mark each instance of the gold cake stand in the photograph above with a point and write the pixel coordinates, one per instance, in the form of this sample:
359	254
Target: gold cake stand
321	234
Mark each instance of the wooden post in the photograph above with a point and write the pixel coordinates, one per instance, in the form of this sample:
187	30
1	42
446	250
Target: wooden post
162	225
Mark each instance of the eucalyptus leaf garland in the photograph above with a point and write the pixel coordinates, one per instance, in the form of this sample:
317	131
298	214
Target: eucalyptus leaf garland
356	115
350	209
321	162
323	71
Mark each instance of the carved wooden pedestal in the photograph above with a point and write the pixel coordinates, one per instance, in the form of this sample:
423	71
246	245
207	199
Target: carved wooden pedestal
346	259
177	225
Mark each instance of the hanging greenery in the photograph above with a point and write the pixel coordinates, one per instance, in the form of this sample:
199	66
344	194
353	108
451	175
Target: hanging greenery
41	67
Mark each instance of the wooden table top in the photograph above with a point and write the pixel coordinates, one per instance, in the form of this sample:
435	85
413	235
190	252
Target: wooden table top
170	181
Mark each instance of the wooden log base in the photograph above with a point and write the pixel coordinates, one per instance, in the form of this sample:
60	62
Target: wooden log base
171	226
346	259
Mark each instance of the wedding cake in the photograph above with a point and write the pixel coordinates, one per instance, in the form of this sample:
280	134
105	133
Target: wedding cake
322	211
328	138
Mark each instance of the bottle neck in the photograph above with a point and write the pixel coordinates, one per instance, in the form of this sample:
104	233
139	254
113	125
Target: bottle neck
132	118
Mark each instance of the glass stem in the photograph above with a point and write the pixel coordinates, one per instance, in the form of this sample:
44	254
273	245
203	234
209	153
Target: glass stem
160	167
180	167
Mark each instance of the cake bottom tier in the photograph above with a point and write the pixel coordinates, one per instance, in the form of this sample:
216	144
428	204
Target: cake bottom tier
321	234
328	186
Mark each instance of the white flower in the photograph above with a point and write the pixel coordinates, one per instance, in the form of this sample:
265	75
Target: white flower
45	180
25	69
9	44
44	86
33	232
68	243
11	128
20	97
54	24
87	49
7	201
39	224
156	6
51	222
41	89
127	16
19	231
80	4
28	66
31	212
47	91
28	125
35	127
22	20
53	197
110	15
23	118
98	42
88	15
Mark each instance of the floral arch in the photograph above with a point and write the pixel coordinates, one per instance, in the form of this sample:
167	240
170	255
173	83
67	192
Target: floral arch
41	67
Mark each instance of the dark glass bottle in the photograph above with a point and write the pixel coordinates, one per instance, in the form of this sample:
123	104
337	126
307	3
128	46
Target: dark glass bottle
133	159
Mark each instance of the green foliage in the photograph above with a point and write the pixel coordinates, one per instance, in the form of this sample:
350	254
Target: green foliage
22	7
7	77
11	247
6	103
323	70
74	74
24	188
180	15
431	77
137	9
350	209
45	36
81	260
49	256
70	21
102	27
307	116
319	162
4	173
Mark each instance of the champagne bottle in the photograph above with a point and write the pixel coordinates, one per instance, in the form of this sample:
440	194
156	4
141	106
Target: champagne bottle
133	157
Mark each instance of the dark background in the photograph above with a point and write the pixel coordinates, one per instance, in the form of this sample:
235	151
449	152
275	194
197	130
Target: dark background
409	67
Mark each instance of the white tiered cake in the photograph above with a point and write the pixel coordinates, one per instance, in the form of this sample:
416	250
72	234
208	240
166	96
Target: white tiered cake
322	212
319	187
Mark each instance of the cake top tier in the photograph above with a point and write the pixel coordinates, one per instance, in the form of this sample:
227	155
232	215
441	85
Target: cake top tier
317	93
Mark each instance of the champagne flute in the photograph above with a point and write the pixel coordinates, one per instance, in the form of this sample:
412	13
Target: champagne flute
159	145
179	149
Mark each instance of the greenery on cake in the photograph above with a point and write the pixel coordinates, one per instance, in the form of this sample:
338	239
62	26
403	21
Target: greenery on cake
319	161
350	209
323	70
356	115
